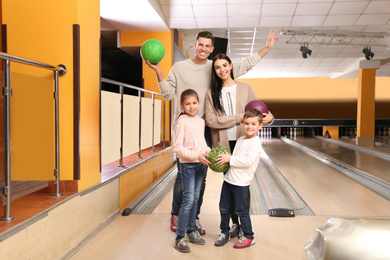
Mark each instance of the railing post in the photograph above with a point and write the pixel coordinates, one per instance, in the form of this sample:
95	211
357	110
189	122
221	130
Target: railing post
139	125
153	125
121	148
163	122
7	141
57	136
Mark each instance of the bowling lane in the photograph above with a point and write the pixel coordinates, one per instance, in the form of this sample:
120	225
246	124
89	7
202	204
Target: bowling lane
372	164
325	190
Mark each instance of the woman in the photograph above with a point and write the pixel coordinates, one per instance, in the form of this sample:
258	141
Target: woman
224	110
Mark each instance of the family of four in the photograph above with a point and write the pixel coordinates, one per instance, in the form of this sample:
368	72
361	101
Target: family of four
210	108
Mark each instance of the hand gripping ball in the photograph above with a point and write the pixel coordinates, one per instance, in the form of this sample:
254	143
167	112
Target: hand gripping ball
257	104
152	51
219	150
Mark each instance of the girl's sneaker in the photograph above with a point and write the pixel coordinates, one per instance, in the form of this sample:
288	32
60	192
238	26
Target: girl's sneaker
181	245
244	242
222	240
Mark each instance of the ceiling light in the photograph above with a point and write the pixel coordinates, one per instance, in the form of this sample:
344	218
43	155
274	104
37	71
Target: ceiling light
368	53
305	50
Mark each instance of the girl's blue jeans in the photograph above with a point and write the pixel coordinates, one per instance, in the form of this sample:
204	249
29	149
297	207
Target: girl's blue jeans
192	176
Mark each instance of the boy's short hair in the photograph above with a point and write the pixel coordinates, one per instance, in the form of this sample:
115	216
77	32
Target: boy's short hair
254	113
205	34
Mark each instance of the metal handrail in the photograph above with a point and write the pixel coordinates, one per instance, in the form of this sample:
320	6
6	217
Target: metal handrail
121	86
7	92
60	68
129	86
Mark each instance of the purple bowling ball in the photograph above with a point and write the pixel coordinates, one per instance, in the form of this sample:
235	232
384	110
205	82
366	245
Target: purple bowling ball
257	104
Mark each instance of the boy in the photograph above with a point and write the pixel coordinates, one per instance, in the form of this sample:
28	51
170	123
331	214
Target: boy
243	165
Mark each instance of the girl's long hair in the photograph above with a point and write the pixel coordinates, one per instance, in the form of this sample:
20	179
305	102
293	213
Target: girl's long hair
216	86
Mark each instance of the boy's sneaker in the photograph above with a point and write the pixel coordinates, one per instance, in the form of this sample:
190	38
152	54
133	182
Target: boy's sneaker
181	245
244	242
195	238
234	230
173	223
222	240
199	228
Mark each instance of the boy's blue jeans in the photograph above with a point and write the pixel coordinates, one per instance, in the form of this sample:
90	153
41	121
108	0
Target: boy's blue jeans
192	176
237	195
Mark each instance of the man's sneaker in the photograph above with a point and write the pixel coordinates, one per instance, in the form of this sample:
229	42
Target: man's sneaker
195	238
181	245
199	228
240	233
244	242
173	223
222	240
234	230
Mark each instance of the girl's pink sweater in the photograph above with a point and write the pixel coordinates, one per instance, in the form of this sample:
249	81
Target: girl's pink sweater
189	139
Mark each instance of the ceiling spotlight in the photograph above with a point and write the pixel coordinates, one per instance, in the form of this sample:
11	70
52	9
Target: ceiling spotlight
369	54
305	50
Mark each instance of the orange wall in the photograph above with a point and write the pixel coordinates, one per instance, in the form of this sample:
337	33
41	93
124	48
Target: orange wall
33	34
304	89
42	30
317	97
150	80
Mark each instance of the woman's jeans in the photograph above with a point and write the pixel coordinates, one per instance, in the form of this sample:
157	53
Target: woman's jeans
192	176
238	195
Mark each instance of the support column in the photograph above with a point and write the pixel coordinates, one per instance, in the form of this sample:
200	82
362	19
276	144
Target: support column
365	134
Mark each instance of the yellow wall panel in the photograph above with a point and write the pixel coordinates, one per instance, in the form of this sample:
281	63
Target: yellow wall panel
32	128
135	181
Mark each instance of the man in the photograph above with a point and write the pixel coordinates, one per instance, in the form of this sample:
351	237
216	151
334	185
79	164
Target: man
195	73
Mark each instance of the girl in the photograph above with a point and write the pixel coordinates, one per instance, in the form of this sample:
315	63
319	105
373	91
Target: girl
224	111
191	149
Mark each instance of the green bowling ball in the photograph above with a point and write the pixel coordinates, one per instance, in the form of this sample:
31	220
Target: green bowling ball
153	51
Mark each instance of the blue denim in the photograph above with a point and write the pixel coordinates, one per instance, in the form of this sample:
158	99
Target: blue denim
192	176
177	186
177	191
238	195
